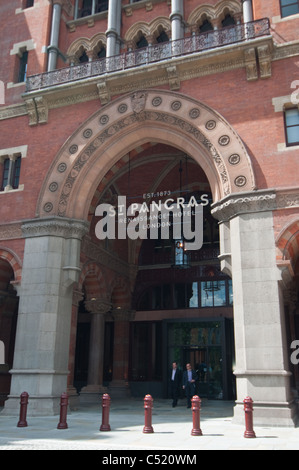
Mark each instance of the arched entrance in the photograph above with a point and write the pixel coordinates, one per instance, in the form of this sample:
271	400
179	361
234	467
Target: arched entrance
10	274
104	146
88	162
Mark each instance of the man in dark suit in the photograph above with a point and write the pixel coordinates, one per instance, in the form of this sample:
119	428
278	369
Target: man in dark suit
189	379
175	384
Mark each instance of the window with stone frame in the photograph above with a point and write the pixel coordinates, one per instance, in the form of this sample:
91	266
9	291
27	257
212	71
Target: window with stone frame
291	117
289	7
11	173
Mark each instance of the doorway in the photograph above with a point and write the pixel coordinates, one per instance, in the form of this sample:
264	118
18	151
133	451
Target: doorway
207	362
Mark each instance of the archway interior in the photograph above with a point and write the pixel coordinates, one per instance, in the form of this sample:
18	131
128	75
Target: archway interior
8	321
181	313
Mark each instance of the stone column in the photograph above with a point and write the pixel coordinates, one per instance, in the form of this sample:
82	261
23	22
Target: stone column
95	388
247	11
119	386
50	269
71	390
54	39
176	17
248	249
113	31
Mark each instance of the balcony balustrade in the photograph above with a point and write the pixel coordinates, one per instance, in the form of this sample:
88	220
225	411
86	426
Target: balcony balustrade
151	54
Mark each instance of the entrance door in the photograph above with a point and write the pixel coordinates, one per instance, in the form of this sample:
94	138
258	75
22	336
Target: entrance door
207	362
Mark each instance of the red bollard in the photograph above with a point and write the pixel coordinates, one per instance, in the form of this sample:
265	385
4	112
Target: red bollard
196	403
148	406
23	410
63	411
105	426
248	408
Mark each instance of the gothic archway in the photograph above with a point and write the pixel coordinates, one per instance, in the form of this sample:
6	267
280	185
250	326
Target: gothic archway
134	119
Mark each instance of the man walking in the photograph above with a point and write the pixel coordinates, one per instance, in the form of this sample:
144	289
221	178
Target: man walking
189	379
175	383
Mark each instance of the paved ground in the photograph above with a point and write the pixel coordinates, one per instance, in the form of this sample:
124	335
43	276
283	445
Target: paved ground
172	431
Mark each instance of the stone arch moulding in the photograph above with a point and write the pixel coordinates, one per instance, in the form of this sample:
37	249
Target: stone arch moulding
14	263
287	244
135	119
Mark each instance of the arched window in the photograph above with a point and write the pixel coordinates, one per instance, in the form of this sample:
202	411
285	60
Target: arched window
206	26
163	37
83	58
102	53
228	21
142	42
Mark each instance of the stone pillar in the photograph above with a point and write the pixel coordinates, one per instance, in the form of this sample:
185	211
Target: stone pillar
176	17
248	249
95	388
50	269
247	11
119	386
113	31
71	390
54	39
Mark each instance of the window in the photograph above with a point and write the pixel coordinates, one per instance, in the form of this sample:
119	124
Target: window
292	126
29	3
289	7
11	173
23	62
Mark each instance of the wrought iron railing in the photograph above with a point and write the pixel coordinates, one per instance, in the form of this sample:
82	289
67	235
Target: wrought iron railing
151	54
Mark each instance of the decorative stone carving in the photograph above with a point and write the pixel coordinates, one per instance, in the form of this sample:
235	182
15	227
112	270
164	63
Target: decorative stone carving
250	64
264	57
138	100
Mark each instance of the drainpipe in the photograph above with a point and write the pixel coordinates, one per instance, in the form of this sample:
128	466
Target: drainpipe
54	40
176	17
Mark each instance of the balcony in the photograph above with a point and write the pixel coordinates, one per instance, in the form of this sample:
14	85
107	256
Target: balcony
155	54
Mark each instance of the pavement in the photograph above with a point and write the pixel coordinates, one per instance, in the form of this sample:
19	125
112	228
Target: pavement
171	437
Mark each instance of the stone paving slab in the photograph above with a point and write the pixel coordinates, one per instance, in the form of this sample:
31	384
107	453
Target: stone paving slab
172	431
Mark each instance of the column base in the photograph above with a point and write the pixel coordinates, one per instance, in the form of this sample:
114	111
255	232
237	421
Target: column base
37	406
269	414
92	394
119	389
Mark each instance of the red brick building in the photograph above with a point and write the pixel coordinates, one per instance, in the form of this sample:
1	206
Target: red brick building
106	105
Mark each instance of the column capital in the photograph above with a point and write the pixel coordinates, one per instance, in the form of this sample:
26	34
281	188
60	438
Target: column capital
98	306
55	226
247	202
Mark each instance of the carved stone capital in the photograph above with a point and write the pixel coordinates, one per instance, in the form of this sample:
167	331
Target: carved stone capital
257	201
98	306
55	226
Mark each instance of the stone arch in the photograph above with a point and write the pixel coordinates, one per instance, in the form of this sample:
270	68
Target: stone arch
147	29
215	12
14	262
93	279
287	244
91	46
134	119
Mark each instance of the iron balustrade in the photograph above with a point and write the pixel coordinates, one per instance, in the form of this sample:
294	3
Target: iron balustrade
151	54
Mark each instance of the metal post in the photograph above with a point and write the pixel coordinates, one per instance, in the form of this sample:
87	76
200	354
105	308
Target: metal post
105	426
196	405
23	410
248	409
148	406
63	411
